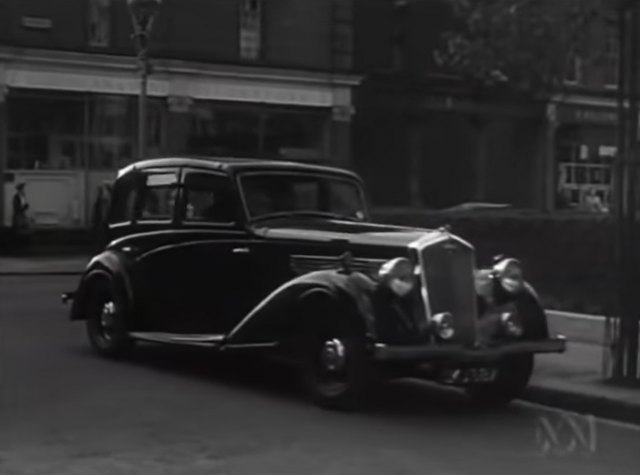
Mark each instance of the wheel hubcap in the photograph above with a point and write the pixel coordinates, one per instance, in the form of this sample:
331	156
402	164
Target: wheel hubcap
333	355
107	319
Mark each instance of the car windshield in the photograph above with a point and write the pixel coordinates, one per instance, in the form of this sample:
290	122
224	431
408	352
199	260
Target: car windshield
274	194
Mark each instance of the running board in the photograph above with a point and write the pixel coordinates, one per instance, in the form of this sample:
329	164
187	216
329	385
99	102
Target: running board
203	340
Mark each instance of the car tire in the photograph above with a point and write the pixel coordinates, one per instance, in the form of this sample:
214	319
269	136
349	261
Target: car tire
106	319
512	378
336	368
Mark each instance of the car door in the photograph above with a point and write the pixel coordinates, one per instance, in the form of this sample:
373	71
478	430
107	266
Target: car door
149	242
209	261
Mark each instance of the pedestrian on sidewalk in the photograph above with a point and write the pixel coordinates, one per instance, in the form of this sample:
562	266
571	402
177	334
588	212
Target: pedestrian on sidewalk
20	217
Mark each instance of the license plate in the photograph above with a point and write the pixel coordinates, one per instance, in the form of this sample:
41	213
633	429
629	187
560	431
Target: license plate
480	375
469	375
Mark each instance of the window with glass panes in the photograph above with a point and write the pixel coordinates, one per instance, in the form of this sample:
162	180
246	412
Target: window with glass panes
250	29
611	55
573	73
99	23
582	166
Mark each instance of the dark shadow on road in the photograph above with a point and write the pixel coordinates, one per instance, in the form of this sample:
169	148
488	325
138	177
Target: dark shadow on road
401	398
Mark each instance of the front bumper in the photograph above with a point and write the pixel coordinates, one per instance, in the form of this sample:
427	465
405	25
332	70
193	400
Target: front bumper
460	354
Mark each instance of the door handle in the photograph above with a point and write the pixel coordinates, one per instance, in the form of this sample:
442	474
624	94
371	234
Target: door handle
241	250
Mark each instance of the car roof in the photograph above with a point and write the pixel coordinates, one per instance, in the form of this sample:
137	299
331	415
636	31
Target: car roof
231	164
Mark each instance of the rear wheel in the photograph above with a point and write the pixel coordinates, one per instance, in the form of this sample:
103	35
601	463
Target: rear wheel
106	324
512	377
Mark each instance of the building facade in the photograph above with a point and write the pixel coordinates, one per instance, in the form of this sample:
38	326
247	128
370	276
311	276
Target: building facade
268	79
426	140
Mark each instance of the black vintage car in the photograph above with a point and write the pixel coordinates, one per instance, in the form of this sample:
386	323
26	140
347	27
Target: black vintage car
281	259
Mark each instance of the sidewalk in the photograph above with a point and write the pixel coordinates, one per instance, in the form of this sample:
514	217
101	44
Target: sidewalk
39	265
574	381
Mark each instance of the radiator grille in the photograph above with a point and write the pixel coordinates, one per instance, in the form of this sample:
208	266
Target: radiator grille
448	269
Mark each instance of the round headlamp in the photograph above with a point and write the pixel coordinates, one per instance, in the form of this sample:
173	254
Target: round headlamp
442	325
509	274
511	324
398	275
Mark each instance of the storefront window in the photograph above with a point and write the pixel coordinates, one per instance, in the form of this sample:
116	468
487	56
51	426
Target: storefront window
584	169
156	126
295	136
220	131
45	131
111	134
49	131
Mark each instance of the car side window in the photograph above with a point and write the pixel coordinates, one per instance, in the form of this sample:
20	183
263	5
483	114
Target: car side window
208	198
158	197
122	207
344	199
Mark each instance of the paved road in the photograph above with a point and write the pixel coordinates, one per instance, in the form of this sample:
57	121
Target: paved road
65	411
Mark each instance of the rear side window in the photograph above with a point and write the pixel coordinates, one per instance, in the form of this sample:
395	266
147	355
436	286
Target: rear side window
158	197
208	198
123	201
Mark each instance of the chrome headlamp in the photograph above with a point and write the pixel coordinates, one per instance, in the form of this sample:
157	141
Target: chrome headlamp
443	326
511	324
398	275
509	273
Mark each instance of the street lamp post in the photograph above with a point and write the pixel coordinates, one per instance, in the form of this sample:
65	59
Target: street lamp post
143	13
625	368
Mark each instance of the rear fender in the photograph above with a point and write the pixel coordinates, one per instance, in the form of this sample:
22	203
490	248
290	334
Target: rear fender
111	265
286	307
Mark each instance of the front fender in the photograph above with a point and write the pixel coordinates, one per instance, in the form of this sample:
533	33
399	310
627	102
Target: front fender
534	318
352	293
108	264
526	304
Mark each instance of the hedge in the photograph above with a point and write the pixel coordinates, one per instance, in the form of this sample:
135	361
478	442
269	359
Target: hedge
568	259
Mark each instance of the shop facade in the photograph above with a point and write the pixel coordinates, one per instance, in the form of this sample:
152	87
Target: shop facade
583	147
430	149
68	122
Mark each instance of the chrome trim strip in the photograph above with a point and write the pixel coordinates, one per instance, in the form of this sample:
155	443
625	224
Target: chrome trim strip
318	262
418	245
179	231
183	244
249	346
179	339
364	260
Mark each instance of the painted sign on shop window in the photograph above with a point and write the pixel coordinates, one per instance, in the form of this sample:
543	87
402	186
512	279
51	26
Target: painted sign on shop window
587	115
595	116
37	23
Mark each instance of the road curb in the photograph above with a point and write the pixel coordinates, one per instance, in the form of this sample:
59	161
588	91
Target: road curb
578	327
599	406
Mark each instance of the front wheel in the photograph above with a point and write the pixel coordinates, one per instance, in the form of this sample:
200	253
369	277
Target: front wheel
106	325
512	377
336	369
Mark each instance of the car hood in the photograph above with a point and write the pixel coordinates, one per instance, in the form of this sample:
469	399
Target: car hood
323	230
